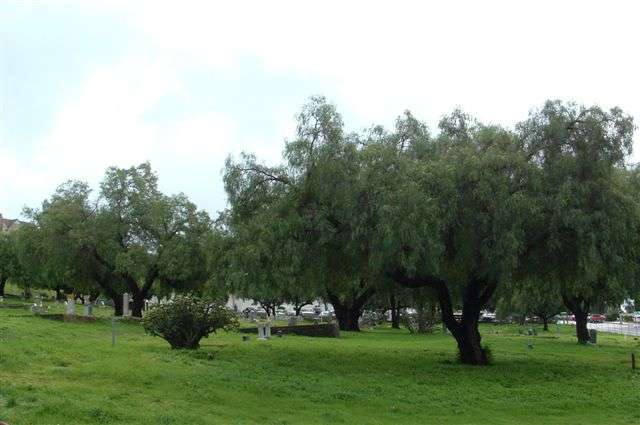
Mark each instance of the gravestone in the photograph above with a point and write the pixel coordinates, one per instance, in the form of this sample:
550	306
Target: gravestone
593	336
125	305
252	316
71	305
264	331
88	308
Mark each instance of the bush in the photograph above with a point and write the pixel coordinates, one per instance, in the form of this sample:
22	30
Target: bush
185	320
612	317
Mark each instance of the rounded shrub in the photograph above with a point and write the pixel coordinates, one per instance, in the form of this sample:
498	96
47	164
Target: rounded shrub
185	320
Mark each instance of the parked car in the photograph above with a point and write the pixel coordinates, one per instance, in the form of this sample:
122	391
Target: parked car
488	317
327	315
636	316
248	311
308	312
597	318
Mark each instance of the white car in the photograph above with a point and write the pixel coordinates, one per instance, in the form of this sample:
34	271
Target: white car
636	316
308	312
327	314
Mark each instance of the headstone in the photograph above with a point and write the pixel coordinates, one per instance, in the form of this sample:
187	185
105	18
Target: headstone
125	305
88	309
252	315
593	336
71	305
264	331
37	306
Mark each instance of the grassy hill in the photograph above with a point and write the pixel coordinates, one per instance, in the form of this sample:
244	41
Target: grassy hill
54	372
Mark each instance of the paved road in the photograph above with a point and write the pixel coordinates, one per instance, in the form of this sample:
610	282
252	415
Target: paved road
617	328
613	327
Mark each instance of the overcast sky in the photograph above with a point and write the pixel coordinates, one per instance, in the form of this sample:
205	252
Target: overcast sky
85	85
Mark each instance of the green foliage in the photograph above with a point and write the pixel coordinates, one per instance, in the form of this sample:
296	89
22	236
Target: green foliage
526	298
132	238
584	235
185	320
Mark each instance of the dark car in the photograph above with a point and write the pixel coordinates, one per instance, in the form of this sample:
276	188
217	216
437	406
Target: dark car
597	318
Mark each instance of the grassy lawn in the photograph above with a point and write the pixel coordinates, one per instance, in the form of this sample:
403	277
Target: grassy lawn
68	373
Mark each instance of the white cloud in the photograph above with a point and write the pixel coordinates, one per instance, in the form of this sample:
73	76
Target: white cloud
105	125
496	59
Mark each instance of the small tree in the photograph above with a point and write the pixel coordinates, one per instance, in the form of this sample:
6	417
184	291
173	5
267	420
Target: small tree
533	297
185	320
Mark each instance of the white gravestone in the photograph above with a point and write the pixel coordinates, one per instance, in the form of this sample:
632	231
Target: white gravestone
71	305
88	309
264	331
125	305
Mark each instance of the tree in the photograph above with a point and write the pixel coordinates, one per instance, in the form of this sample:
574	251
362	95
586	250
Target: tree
531	298
455	224
586	236
131	239
185	320
143	237
51	248
8	259
318	210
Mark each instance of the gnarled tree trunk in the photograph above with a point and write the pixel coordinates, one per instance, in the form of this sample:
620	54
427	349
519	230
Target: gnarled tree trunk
475	296
3	282
348	317
348	311
580	309
117	305
395	312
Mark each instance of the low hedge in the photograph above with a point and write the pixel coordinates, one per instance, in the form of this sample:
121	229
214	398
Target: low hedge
327	330
67	318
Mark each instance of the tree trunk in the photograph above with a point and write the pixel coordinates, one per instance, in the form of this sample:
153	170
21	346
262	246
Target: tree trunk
349	311
581	326
117	305
137	304
347	317
469	347
94	296
395	313
545	323
3	282
476	294
59	294
395	318
580	309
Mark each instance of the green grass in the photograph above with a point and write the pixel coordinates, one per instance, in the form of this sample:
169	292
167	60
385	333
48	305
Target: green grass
68	373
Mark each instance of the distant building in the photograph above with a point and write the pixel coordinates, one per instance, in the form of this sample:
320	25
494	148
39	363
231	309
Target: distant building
8	225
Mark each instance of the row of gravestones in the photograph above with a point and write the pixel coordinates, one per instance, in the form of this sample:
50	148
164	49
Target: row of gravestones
71	306
88	306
